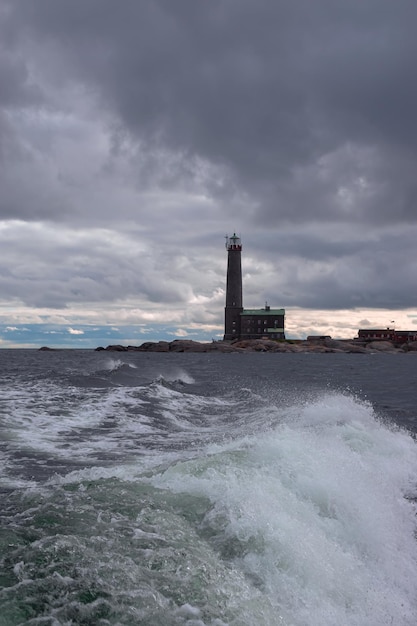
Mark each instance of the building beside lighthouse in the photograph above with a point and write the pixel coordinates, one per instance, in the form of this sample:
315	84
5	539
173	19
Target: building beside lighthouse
240	323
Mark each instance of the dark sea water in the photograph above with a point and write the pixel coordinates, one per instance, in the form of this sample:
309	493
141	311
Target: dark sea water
199	489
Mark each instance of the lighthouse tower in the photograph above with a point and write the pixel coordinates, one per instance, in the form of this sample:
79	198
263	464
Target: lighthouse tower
234	305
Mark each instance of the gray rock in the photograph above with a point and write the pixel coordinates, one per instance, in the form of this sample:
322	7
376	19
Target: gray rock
381	346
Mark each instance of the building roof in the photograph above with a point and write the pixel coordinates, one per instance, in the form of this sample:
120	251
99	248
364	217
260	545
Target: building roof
263	312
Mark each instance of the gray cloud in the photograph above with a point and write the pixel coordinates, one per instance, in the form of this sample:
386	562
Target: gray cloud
169	124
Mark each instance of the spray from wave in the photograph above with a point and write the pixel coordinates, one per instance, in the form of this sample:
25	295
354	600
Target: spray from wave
318	514
113	365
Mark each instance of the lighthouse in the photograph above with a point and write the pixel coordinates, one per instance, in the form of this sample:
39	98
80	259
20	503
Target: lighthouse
234	305
240	323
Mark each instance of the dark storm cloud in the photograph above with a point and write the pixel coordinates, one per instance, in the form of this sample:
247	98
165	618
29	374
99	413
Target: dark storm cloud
292	121
15	90
264	88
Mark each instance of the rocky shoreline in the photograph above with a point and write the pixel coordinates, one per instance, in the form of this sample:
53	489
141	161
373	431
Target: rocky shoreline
325	345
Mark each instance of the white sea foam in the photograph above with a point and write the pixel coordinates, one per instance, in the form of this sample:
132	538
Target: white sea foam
319	509
50	423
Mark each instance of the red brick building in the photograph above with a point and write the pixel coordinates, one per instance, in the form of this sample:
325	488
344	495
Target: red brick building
387	334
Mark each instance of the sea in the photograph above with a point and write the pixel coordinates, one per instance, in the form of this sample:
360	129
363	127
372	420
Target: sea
171	489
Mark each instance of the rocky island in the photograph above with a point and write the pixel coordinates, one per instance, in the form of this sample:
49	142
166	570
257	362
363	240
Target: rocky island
316	345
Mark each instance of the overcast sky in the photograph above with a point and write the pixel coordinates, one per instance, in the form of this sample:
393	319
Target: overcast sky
134	134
